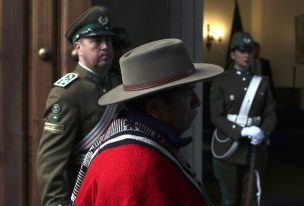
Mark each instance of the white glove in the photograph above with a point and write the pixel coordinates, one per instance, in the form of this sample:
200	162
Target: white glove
254	133
250	131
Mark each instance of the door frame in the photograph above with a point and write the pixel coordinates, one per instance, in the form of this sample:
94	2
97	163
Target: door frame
23	89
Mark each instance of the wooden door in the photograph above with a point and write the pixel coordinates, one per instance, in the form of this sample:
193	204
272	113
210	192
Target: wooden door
12	117
27	28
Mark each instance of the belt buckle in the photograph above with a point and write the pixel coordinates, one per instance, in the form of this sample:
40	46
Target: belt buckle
242	120
250	121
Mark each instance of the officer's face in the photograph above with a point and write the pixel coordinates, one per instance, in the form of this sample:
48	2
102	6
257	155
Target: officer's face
95	53
243	59
181	111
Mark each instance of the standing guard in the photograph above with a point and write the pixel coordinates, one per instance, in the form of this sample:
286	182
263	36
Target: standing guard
73	120
243	112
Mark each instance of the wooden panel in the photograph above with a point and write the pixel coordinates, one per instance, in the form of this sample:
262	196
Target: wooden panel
69	12
13	119
41	76
1	106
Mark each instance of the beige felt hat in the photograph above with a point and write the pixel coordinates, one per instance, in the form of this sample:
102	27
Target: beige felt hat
156	66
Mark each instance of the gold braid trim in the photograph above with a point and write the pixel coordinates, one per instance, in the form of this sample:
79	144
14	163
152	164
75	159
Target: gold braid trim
54	128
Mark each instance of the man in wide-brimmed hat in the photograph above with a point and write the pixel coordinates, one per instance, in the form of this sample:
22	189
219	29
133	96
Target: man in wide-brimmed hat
138	161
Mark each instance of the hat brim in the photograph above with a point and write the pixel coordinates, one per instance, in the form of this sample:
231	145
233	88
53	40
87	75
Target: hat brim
118	94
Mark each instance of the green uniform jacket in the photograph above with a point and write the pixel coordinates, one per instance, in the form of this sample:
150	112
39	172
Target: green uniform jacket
71	112
226	96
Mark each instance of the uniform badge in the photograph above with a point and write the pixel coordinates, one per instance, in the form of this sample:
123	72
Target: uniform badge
56	108
66	80
55	118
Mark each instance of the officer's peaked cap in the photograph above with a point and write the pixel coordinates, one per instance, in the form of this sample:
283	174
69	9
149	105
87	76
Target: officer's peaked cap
241	39
95	21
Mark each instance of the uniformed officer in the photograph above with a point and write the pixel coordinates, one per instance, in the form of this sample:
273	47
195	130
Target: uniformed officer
73	120
243	112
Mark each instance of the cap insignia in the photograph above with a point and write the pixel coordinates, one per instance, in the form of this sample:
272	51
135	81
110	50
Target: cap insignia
246	40
103	20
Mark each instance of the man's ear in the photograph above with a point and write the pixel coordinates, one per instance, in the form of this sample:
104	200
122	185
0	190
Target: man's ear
154	107
77	47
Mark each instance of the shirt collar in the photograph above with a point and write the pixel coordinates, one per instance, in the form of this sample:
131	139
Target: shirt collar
87	68
93	76
242	73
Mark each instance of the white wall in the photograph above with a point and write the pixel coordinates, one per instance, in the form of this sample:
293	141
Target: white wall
185	23
278	39
217	13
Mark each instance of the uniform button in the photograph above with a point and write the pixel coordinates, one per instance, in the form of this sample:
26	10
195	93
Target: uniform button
233	126
245	89
104	90
244	79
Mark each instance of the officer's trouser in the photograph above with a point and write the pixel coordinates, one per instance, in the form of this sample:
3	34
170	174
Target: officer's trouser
233	180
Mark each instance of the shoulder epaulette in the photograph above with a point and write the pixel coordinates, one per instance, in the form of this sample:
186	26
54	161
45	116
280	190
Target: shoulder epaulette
66	79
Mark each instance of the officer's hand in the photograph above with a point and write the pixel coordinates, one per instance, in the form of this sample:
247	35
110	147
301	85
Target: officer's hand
251	131
256	140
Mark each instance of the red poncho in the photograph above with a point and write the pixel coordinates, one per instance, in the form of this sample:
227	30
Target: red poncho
135	175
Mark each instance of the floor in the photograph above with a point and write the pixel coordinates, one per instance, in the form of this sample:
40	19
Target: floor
283	184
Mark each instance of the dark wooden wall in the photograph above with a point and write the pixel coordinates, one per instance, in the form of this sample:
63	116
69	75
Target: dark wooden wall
13	101
25	79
